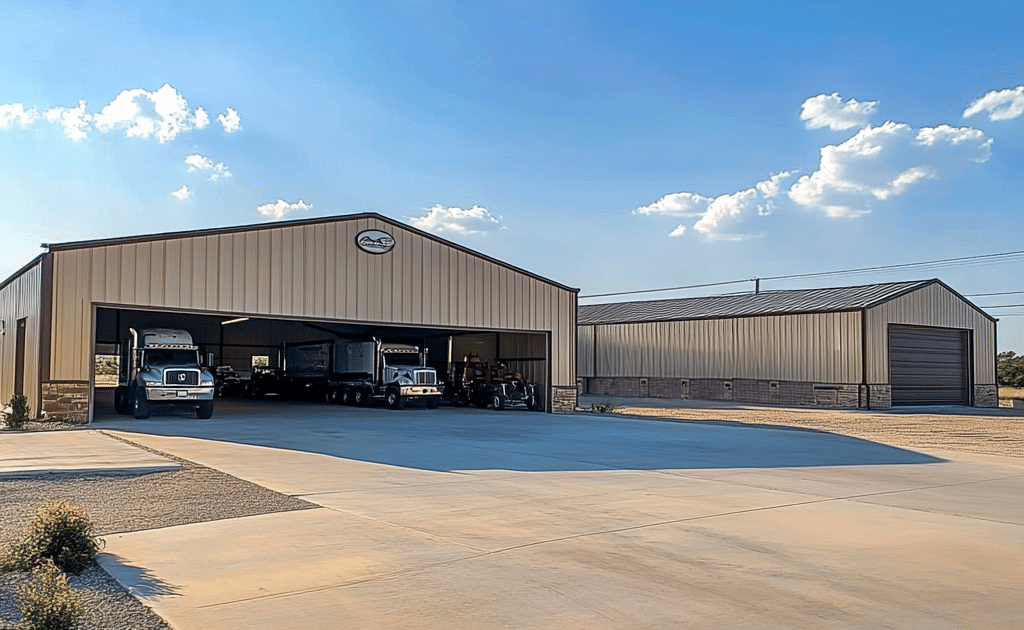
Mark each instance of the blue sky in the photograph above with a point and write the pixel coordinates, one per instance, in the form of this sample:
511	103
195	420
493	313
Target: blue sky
609	146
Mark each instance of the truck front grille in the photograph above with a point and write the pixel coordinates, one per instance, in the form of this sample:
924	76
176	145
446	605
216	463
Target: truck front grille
181	377
425	377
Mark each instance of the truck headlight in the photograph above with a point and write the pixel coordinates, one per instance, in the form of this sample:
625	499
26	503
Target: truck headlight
149	383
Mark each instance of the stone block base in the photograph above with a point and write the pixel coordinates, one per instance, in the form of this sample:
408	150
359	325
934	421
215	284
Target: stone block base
986	396
563	399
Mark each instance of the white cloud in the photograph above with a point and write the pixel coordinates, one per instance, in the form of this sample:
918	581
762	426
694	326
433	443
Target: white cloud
1000	104
198	162
475	220
878	163
163	114
16	112
182	193
280	208
75	120
680	204
722	216
829	110
231	121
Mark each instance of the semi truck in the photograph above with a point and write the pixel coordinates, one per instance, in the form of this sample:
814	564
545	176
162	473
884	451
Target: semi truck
352	372
160	367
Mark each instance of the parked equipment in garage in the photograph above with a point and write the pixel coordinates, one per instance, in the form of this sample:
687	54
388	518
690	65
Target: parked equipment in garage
352	372
160	366
475	382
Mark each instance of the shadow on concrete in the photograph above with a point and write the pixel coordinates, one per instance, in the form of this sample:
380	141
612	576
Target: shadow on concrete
454	439
142	583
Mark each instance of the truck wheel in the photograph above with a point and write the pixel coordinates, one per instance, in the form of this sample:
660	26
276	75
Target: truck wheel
538	404
498	401
432	403
359	398
346	396
119	401
394	399
331	397
205	410
140	406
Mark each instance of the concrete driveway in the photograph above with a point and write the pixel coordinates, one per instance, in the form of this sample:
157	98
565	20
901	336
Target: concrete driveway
471	519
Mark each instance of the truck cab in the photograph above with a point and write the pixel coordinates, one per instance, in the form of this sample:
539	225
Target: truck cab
161	367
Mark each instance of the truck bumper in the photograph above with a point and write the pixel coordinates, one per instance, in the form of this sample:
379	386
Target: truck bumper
178	394
419	391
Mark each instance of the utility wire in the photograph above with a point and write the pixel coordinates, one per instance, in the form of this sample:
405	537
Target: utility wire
1000	293
1001	306
963	261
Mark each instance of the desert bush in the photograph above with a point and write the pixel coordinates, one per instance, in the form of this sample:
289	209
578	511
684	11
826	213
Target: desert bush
19	413
59	532
1009	369
48	603
603	407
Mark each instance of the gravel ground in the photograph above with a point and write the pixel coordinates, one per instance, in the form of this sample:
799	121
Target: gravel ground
993	432
126	503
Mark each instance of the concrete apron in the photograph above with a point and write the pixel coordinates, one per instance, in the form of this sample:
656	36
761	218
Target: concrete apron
30	454
884	546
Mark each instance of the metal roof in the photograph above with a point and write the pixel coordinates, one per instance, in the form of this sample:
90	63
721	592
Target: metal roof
749	304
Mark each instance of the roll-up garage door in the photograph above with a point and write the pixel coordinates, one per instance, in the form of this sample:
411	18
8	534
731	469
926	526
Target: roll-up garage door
929	366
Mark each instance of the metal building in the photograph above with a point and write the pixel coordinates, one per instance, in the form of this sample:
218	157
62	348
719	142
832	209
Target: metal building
873	346
242	291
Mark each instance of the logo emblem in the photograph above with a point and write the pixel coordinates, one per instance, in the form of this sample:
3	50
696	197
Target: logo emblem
375	241
181	377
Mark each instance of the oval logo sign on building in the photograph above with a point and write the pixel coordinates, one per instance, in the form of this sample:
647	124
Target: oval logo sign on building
375	241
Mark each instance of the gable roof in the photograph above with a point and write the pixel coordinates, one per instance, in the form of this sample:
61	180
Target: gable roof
255	227
784	302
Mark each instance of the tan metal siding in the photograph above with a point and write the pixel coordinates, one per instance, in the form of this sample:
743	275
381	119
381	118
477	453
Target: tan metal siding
585	351
21	299
820	347
310	271
935	306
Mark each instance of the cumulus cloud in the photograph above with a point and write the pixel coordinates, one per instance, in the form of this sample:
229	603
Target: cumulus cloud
16	113
198	162
162	114
475	220
230	120
182	193
1000	104
829	110
878	163
280	208
678	231
680	204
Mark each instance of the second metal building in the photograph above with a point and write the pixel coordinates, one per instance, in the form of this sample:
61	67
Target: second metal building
879	345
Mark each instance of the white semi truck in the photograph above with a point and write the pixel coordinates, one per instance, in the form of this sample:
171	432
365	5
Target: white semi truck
160	367
352	372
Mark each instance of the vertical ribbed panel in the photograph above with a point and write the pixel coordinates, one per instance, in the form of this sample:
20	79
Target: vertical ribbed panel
933	306
310	271
21	299
820	347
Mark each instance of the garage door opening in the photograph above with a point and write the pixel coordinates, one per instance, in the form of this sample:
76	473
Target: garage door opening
235	345
929	366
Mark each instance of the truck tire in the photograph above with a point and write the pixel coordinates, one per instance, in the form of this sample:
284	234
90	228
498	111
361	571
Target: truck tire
140	405
394	399
346	396
498	401
432	402
119	406
205	410
360	398
538	404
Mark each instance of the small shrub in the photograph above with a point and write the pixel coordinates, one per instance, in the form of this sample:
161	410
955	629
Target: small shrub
604	407
48	603
19	413
61	533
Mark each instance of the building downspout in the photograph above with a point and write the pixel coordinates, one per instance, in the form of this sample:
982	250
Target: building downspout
864	358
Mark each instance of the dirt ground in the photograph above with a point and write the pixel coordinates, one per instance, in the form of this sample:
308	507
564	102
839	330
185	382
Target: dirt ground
989	431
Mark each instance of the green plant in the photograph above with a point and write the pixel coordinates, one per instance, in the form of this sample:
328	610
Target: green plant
48	603
1009	369
604	407
60	532
19	413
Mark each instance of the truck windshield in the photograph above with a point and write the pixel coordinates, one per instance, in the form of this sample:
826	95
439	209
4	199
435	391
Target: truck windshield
402	359
165	357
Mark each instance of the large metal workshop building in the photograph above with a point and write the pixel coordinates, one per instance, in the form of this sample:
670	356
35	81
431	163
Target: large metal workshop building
873	346
242	291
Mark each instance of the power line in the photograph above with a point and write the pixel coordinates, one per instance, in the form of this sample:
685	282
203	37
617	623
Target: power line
1001	306
963	261
1000	293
